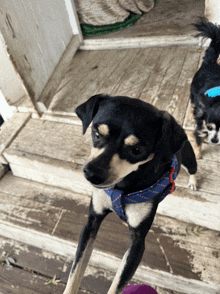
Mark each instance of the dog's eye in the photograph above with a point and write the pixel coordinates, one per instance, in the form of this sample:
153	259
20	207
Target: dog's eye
136	151
96	135
210	128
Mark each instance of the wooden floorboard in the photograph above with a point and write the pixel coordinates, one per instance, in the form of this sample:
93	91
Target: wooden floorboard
135	76
111	83
160	76
172	246
25	269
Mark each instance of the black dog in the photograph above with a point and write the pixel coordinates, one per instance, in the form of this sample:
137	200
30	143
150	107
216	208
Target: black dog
205	89
137	152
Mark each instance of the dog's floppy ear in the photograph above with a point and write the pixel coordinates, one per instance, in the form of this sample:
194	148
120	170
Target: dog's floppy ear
171	139
88	110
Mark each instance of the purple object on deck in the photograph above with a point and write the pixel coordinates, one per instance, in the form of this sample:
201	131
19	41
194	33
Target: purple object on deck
139	289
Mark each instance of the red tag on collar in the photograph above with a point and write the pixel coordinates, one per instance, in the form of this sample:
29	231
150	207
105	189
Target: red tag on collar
171	179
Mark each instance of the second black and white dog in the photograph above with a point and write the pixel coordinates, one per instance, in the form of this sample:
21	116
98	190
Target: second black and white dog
205	89
136	156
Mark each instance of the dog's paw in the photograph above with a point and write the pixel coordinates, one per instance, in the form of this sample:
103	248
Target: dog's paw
192	182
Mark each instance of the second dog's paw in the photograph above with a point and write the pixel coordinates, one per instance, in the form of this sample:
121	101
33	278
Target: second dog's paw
192	182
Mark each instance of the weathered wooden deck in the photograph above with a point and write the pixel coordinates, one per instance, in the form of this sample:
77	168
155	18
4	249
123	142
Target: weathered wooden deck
179	251
160	76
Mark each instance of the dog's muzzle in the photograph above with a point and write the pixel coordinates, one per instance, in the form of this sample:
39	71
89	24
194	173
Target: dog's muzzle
94	174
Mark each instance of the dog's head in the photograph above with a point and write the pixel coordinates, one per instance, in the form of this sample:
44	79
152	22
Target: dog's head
127	133
208	110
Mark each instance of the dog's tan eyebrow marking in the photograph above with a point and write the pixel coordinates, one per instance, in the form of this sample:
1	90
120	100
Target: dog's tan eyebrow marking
218	60
103	130
131	140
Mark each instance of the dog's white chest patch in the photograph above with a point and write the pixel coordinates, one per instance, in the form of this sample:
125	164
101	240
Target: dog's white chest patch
101	201
137	212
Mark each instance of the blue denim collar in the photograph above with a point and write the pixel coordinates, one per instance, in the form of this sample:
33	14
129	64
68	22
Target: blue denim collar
164	186
213	92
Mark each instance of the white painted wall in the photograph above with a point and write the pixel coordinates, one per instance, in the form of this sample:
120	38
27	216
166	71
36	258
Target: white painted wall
37	33
10	82
212	10
5	109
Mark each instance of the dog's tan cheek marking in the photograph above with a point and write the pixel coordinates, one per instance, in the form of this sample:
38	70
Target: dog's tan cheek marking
131	140
95	152
103	130
121	167
202	132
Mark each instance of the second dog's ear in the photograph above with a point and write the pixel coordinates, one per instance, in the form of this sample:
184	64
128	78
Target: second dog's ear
88	110
171	138
203	103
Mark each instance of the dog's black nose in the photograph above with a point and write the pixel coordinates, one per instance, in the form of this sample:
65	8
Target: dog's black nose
94	175
214	140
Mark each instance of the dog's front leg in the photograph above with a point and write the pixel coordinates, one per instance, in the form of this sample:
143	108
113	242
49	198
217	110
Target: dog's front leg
84	250
133	255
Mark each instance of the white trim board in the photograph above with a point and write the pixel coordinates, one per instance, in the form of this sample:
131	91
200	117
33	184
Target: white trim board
137	42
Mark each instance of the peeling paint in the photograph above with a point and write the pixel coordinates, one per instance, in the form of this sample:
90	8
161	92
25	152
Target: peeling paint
48	255
9	23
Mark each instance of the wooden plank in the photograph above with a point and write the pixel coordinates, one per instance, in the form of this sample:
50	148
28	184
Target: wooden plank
138	42
169	82
38	263
55	173
109	84
193	237
204	207
111	263
44	194
33	259
74	77
103	71
47	141
149	93
53	83
178	102
10	130
135	76
113	237
16	281
27	213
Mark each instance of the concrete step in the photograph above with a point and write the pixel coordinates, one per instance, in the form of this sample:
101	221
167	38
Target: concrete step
54	153
179	256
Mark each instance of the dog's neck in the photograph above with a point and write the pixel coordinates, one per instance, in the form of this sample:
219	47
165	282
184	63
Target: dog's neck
144	177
